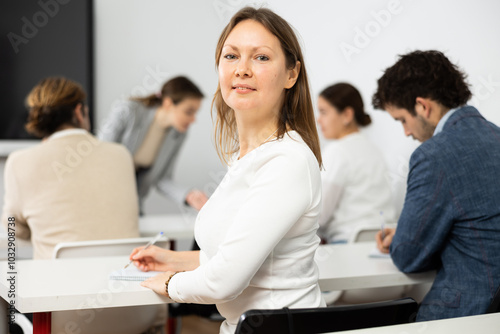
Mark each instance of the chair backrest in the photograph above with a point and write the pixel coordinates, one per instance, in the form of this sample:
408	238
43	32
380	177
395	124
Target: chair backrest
96	248
120	320
367	234
328	319
364	234
495	303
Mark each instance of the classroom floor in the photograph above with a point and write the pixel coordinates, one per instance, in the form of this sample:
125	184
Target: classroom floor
197	325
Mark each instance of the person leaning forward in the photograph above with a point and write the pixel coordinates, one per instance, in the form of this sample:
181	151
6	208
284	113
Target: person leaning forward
451	216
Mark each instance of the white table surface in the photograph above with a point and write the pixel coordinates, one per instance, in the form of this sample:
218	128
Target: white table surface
72	284
344	267
174	226
484	324
68	284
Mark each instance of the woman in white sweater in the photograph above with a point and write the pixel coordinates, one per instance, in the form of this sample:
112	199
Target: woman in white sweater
356	191
257	232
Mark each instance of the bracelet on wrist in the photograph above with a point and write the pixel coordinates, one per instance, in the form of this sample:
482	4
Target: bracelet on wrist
168	281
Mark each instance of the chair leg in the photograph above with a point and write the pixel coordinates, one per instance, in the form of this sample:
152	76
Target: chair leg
178	324
171	325
42	322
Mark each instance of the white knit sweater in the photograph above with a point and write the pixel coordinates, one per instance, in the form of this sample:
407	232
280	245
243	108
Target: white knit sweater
258	235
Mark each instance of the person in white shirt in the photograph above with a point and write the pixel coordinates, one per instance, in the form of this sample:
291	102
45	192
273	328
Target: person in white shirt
356	190
258	231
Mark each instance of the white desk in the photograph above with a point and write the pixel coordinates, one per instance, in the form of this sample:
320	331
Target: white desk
344	267
174	226
70	284
484	324
43	286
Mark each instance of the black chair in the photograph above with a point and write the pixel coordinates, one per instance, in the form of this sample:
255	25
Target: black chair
328	319
495	303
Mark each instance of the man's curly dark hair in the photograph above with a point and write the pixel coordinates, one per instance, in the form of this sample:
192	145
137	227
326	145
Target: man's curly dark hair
427	74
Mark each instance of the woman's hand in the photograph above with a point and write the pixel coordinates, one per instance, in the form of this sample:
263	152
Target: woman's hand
158	259
164	118
157	283
196	199
383	244
152	259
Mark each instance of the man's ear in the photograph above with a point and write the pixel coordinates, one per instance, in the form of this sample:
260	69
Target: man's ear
423	107
81	117
293	75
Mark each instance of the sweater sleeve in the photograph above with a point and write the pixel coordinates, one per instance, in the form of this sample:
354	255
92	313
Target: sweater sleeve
279	195
12	207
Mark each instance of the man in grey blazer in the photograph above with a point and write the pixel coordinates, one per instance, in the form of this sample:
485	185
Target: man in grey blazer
451	216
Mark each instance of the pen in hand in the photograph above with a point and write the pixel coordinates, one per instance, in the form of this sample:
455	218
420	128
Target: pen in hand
382	227
152	242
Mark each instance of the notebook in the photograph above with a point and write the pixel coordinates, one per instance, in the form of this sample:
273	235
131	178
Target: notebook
132	273
378	254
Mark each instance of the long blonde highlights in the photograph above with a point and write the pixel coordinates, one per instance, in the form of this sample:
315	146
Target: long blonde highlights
297	111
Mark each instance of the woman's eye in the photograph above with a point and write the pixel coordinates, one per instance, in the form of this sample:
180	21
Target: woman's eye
262	58
230	56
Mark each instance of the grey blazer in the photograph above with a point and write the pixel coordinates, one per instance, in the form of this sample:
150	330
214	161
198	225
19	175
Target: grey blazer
128	124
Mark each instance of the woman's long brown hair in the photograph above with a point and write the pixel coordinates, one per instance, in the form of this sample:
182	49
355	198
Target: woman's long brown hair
297	112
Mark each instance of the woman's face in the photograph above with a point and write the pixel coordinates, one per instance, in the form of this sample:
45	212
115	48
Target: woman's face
330	120
184	113
252	71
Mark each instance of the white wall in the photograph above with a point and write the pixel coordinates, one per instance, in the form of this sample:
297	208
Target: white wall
141	44
137	38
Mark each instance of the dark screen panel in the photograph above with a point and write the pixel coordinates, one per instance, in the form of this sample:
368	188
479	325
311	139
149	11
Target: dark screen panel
40	39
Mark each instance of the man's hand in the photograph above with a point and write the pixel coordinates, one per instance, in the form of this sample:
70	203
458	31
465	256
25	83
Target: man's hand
384	243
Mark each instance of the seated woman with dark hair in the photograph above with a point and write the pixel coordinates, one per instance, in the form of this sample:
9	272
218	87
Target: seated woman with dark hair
70	187
355	186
